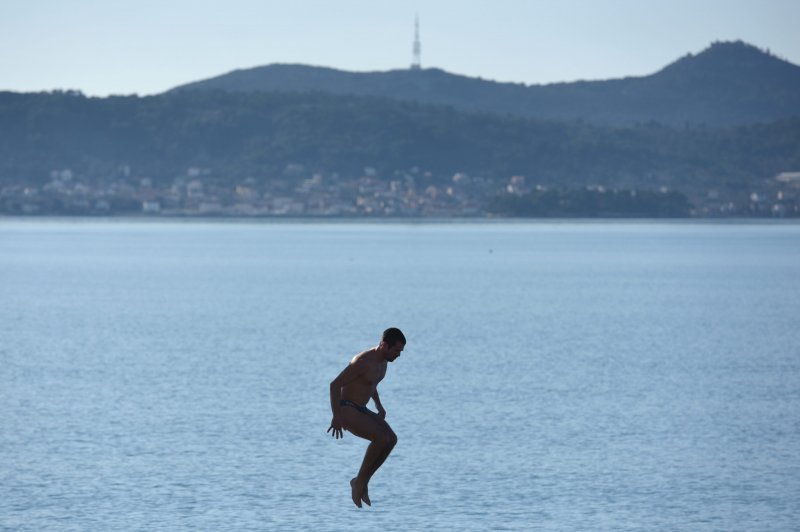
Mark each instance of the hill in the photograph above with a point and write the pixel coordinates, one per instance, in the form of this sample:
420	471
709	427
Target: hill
240	135
729	83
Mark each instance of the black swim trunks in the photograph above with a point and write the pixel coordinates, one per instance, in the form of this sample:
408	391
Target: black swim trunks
361	408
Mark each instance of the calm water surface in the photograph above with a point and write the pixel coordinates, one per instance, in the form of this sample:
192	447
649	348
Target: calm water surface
558	376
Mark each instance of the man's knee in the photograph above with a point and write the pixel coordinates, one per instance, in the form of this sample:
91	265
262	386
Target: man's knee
390	439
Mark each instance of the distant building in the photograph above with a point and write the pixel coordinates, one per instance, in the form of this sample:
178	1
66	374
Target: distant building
194	189
789	178
151	207
516	185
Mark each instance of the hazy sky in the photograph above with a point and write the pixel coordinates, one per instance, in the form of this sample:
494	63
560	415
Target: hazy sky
148	46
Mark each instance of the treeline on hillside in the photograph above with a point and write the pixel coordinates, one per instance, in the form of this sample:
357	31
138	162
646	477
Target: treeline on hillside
259	134
597	202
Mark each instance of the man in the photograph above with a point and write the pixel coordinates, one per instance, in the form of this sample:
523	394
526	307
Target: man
350	392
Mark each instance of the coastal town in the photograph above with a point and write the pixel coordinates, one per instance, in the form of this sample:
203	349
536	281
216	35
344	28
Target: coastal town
198	192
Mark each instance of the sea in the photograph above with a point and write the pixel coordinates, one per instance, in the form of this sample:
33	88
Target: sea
559	375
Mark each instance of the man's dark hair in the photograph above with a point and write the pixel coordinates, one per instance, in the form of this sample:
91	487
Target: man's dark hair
392	335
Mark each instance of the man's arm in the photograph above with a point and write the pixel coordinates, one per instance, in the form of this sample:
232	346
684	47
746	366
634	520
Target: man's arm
378	405
348	374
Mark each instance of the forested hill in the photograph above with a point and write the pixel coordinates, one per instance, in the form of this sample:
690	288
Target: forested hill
729	83
238	135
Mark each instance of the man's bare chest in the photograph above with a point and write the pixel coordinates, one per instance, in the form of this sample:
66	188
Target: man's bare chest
374	374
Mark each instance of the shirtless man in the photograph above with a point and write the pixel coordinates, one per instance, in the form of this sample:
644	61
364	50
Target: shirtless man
350	392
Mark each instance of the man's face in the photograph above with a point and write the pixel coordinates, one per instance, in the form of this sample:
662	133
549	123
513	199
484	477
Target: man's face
394	351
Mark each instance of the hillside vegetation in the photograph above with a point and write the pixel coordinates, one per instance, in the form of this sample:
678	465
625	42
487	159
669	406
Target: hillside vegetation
259	134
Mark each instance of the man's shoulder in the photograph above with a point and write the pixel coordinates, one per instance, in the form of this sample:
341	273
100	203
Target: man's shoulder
365	357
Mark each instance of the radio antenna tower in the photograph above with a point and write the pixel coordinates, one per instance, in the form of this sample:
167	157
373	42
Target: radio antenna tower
415	64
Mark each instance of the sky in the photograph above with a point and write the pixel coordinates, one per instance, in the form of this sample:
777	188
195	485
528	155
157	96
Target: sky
104	47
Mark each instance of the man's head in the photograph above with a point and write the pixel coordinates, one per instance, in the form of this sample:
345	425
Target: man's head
393	341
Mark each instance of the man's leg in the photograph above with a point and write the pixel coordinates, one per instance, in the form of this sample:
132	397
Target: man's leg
390	443
382	440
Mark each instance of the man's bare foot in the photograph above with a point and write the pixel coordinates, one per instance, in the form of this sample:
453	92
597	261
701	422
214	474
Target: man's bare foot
365	496
356	490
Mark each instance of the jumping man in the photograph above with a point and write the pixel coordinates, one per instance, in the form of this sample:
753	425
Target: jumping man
350	392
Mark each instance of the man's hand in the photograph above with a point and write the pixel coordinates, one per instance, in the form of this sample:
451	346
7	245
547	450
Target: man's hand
336	426
382	413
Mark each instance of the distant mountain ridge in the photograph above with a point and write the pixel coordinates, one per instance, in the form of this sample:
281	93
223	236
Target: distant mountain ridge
729	83
238	135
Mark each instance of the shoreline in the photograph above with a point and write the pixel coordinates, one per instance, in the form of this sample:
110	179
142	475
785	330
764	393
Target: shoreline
312	220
